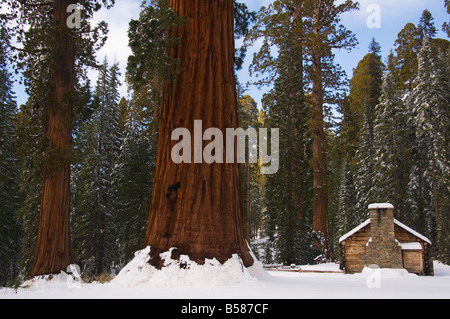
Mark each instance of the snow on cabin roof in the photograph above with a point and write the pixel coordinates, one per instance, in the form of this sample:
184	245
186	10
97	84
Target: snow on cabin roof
354	231
411	246
381	206
399	224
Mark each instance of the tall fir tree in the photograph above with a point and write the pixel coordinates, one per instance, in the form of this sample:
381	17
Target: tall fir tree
391	146
356	129
346	214
109	141
93	200
365	158
441	174
9	173
426	25
365	91
29	143
85	201
249	119
131	190
289	192
428	106
407	46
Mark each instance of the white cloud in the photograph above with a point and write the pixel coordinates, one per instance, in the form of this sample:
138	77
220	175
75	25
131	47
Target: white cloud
391	11
116	47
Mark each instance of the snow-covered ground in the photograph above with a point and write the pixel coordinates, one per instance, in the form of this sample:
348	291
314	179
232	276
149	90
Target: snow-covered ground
253	284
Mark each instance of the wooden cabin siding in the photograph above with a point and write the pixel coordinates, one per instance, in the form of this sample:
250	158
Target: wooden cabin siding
405	237
413	261
353	252
424	260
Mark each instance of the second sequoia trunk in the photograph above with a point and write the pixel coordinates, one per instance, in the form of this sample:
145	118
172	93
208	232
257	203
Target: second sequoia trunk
53	247
197	208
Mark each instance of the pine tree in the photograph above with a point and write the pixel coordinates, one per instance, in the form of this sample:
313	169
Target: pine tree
31	122
93	199
131	190
441	176
391	145
29	141
289	192
356	130
85	201
9	230
407	47
346	214
426	25
365	158
365	91
428	105
109	141
248	118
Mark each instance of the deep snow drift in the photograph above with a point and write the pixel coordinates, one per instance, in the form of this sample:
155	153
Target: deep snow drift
233	281
183	272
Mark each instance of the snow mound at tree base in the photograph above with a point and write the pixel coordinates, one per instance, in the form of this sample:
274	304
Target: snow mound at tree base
48	282
183	272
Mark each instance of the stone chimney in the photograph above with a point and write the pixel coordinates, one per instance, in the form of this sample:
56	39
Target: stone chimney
382	248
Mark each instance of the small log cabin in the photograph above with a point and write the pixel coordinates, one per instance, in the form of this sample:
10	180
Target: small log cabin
386	242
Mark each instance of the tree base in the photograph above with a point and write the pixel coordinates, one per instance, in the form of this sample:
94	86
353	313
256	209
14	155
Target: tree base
59	281
179	271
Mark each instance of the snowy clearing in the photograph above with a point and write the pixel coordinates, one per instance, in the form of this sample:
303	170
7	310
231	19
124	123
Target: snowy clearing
382	284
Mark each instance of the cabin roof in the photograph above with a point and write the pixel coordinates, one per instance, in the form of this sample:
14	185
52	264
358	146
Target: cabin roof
396	222
411	246
401	225
354	231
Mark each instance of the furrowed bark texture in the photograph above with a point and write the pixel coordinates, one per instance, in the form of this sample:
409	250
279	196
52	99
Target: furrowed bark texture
320	205
202	216
53	247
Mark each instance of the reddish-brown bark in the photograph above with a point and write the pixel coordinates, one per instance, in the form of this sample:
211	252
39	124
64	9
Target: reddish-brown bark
203	216
53	247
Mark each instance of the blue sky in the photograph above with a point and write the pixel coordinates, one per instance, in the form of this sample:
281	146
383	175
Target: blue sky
394	15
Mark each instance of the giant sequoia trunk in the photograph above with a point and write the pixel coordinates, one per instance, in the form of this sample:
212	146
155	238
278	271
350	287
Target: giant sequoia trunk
53	248
197	208
320	205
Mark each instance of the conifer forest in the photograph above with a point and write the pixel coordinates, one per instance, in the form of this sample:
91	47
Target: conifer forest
88	176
